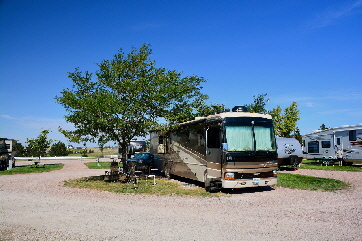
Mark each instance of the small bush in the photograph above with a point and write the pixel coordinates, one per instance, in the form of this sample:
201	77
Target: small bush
32	169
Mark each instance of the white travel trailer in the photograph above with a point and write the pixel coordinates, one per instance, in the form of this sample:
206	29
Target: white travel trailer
289	152
323	144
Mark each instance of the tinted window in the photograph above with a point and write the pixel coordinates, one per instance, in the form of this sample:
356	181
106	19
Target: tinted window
352	135
326	144
338	141
313	147
213	138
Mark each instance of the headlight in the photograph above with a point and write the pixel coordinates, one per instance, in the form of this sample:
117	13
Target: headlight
229	175
275	173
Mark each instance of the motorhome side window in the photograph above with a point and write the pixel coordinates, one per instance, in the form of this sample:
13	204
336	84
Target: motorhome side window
200	140
326	144
338	141
353	135
313	147
213	137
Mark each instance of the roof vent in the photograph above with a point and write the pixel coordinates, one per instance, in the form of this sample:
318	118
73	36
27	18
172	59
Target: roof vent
240	109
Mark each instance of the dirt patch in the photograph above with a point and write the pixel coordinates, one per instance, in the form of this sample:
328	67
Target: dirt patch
38	207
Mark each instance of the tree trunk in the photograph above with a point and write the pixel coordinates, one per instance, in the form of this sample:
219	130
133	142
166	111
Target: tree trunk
124	148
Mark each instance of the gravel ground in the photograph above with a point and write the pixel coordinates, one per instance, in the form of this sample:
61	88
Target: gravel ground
39	207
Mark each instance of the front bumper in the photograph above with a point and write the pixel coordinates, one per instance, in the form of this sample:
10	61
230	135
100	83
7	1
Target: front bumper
242	183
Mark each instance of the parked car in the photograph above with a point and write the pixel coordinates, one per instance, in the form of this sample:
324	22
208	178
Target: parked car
143	161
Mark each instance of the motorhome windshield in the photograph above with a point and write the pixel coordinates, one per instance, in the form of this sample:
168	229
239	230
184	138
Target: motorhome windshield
252	137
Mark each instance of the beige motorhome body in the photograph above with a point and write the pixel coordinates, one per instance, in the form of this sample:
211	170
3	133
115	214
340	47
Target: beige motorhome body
226	150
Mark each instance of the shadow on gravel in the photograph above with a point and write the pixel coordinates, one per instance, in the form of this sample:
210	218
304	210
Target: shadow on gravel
248	190
190	182
187	182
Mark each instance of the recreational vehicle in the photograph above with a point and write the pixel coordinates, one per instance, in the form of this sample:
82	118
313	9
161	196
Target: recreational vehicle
7	153
133	147
227	150
323	144
290	152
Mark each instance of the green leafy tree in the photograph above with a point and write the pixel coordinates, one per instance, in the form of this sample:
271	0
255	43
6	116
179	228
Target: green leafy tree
58	149
297	135
323	127
285	123
290	119
38	146
84	153
278	121
205	110
20	150
259	104
128	98
101	144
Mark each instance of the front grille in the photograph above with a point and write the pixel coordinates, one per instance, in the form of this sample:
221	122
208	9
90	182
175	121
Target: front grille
252	175
253	158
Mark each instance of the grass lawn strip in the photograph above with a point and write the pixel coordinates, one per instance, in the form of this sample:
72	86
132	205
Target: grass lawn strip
297	181
330	168
100	165
32	169
162	188
168	188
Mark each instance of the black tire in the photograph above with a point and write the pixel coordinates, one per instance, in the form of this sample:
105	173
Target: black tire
344	163
207	183
293	160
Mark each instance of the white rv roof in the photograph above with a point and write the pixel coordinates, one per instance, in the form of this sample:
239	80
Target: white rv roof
335	129
228	114
239	114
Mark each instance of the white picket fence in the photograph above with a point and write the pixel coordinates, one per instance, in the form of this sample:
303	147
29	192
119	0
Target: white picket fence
65	157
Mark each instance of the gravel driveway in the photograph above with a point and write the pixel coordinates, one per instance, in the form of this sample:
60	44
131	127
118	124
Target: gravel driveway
38	207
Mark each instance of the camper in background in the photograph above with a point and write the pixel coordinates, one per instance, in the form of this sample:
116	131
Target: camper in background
324	144
290	152
134	147
7	153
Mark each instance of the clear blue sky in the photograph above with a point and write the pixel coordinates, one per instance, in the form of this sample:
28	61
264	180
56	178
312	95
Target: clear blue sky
304	51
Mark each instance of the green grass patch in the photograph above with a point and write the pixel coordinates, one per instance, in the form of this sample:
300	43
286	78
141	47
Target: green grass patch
32	169
315	166
162	188
303	182
100	165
